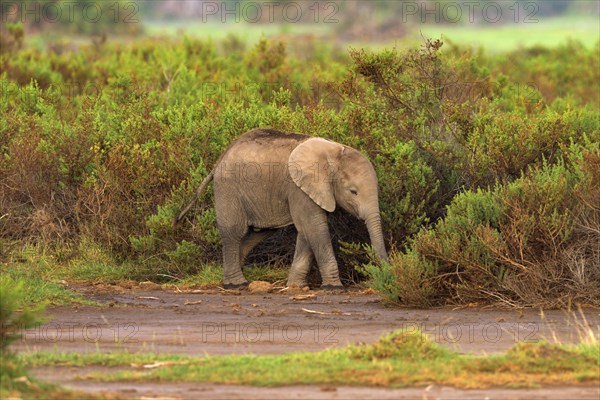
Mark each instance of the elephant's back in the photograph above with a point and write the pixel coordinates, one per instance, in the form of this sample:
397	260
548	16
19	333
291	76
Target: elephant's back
271	137
258	152
263	146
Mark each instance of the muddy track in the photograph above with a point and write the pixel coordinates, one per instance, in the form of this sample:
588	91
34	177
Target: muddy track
198	322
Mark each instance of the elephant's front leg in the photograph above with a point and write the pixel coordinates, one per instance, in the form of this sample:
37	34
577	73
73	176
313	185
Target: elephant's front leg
303	256
328	267
316	232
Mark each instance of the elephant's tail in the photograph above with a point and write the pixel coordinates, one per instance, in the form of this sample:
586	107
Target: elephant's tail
201	188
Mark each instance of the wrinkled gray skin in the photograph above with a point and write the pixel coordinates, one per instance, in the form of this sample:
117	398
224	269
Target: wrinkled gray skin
269	179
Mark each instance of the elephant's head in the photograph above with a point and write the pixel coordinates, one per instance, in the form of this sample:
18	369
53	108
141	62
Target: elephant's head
331	173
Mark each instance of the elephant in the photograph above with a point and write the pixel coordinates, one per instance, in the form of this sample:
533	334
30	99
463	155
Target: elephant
268	179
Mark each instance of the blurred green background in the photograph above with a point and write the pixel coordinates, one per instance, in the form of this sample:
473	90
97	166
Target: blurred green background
494	25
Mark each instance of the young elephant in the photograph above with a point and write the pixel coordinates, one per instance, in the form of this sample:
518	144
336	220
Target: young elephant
268	179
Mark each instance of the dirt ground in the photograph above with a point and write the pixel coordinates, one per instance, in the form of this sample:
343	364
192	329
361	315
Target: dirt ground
198	322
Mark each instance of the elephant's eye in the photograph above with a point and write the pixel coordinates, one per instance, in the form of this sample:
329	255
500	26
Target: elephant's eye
354	192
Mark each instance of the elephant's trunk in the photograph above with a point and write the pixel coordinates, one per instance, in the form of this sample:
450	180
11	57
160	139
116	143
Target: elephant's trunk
373	222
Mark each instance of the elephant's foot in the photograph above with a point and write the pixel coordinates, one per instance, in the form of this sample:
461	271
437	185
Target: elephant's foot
242	285
234	280
333	283
297	283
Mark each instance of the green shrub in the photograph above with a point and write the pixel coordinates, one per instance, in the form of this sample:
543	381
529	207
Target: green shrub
185	257
408	189
382	279
531	241
568	71
14	317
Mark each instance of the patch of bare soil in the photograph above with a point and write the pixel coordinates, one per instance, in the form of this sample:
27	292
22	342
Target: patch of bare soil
198	322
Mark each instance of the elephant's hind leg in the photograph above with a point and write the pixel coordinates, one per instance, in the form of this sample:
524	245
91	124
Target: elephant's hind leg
232	268
251	240
303	256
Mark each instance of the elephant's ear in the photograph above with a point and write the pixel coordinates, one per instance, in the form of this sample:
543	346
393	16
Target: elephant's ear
311	166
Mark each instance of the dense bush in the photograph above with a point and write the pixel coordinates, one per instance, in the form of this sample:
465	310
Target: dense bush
569	70
104	146
532	241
